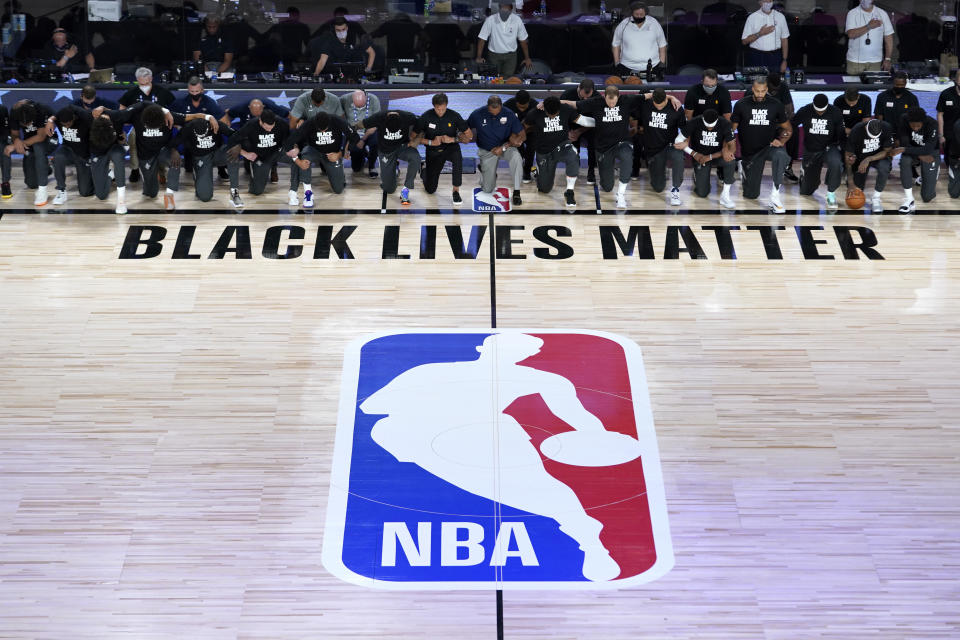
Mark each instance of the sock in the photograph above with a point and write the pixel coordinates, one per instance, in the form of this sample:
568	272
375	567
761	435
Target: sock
876	194
831	193
121	192
622	188
307	187
726	190
908	193
570	182
170	191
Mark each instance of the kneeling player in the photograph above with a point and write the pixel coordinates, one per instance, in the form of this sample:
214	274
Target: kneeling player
320	141
202	142
260	142
398	132
709	141
611	114
870	145
822	138
661	123
442	129
550	128
920	140
763	128
106	152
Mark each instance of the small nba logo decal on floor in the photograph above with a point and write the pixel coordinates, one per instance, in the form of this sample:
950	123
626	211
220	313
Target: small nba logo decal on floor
496	459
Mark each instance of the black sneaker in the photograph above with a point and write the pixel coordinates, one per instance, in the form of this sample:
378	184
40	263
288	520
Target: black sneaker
5	190
456	197
372	173
790	176
222	173
134	175
517	200
591	178
568	196
527	178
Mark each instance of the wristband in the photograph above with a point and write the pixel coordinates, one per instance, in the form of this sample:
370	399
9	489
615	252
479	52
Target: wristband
688	151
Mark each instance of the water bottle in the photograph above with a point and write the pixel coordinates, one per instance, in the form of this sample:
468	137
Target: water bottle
213	75
649	69
603	7
786	76
543	8
280	68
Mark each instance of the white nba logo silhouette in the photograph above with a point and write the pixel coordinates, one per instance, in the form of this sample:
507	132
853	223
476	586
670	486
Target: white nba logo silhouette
448	419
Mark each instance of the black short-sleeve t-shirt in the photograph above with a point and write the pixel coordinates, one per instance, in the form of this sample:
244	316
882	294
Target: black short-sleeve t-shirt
612	123
862	145
390	140
853	114
432	126
949	105
550	132
757	122
820	130
660	126
707	141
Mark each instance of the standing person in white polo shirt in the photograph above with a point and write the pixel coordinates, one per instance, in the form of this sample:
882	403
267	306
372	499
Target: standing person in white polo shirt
869	39
503	30
765	33
638	39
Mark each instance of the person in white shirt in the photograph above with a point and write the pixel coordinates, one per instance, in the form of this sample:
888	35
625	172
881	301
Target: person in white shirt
500	34
637	40
869	39
766	35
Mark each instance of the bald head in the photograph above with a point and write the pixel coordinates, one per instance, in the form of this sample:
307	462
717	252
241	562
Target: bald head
255	107
359	99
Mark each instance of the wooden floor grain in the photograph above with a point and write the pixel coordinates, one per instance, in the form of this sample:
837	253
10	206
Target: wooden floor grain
166	429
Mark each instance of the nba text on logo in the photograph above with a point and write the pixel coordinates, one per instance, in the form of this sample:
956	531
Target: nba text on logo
496	459
496	202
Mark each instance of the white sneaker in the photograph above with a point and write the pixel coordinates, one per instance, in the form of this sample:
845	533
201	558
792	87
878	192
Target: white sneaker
675	200
621	202
40	198
876	206
909	206
60	198
121	207
293	200
726	202
308	199
775	203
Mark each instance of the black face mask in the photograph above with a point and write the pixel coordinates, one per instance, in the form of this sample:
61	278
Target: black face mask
897	92
639	20
197	97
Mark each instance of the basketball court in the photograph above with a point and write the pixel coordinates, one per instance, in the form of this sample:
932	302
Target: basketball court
176	388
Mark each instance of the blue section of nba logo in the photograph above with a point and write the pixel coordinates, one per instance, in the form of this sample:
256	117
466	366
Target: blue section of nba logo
383	489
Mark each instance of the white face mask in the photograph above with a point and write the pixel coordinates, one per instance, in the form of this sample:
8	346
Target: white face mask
145	88
341	35
866	4
766	7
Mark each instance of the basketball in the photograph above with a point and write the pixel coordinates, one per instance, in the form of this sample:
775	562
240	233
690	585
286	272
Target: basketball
612	80
855	199
513	80
634	80
591	449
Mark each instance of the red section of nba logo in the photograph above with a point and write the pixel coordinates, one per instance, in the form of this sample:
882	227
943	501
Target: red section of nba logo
614	495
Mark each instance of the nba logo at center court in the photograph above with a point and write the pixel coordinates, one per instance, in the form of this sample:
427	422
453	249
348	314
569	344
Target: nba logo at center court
496	459
496	202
